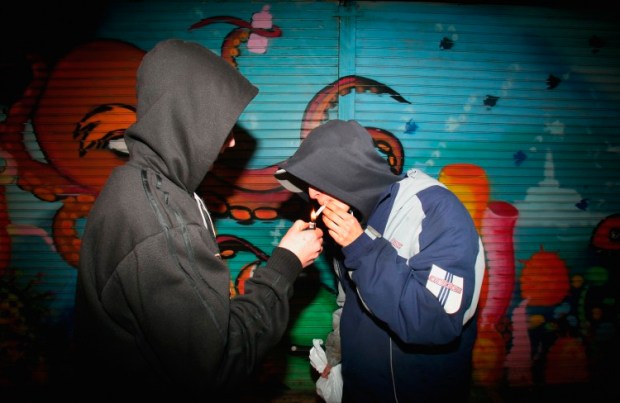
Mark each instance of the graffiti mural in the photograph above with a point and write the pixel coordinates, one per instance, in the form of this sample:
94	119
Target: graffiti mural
548	311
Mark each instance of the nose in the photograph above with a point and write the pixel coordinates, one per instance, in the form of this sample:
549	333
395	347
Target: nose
313	193
230	140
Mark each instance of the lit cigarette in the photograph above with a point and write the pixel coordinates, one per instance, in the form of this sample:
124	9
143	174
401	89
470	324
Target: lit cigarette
319	211
313	216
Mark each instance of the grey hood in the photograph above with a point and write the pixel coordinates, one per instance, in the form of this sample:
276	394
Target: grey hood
189	99
340	159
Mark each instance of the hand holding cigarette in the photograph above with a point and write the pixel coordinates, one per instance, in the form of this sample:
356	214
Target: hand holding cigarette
341	224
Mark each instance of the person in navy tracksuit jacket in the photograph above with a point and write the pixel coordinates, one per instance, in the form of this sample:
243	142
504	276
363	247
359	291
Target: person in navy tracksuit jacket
410	268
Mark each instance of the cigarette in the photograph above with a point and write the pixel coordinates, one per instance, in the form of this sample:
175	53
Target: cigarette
313	216
319	211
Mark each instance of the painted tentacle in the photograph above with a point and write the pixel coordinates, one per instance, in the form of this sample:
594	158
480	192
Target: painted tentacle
232	41
244	194
317	113
317	110
30	171
229	246
66	238
389	145
230	46
268	33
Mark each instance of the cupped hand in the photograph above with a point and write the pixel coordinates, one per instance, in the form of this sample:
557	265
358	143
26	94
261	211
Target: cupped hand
305	243
341	224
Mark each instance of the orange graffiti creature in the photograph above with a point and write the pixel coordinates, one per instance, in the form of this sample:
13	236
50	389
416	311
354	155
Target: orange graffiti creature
80	113
76	131
84	111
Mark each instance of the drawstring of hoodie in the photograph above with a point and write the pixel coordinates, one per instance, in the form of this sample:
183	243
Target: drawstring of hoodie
203	209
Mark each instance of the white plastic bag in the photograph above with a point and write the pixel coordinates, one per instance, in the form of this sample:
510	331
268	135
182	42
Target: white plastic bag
329	389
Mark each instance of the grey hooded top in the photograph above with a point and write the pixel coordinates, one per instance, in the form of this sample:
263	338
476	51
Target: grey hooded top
152	306
339	159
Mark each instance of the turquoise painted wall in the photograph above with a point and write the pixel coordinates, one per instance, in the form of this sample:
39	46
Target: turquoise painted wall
517	109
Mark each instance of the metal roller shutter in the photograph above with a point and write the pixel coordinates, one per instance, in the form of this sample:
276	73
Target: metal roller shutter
515	108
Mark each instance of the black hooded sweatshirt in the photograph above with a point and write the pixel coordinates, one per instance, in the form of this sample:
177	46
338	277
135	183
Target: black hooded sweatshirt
153	309
340	159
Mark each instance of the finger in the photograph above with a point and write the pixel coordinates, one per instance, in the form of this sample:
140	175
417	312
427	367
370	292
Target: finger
335	218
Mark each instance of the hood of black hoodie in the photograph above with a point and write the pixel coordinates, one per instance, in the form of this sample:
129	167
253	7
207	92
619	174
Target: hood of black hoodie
189	99
339	158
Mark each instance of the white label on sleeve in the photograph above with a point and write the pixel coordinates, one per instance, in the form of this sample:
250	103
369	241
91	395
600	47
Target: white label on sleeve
447	287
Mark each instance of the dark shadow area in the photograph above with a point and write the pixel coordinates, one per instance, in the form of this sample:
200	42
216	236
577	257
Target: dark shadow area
46	30
268	382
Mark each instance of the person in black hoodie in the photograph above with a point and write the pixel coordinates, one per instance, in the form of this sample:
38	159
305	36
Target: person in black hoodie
410	266
153	306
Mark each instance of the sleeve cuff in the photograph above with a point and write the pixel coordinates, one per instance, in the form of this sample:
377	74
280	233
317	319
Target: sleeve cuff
357	248
286	263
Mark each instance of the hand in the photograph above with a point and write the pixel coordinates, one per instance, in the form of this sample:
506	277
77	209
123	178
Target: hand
341	225
326	371
306	244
